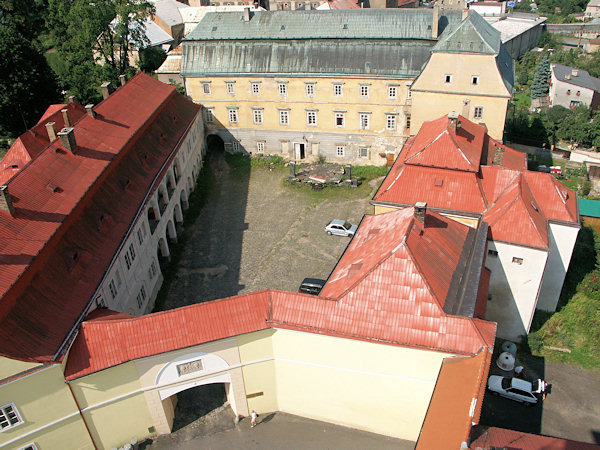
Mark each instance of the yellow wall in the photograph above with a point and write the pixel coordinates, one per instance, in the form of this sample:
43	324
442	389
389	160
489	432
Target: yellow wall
113	424
379	388
42	398
259	377
470	221
10	367
433	97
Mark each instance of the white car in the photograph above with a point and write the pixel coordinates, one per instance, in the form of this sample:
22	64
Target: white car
513	388
341	228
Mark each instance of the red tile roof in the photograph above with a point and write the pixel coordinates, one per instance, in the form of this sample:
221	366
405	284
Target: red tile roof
385	297
454	172
488	438
56	246
456	402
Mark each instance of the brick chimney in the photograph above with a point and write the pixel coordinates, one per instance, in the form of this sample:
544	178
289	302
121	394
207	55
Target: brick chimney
435	22
6	200
246	14
498	156
420	211
51	131
453	122
575	72
71	99
65	114
90	110
67	139
123	80
106	89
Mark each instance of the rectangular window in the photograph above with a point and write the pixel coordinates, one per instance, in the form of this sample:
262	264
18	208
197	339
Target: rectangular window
408	122
363	152
210	115
340	119
310	89
257	116
260	147
113	289
129	256
478	112
364	91
518	261
282	89
337	90
408	92
363	121
256	88
141	234
493	253
475	79
340	150
152	270
574	104
447	78
390	121
230	87
284	117
31	446
9	416
206	88
392	92
236	146
141	297
311	118
233	115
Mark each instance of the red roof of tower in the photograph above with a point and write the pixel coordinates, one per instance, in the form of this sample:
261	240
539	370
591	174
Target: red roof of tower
72	210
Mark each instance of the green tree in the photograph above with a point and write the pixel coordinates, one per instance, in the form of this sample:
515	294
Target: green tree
151	58
27	84
540	85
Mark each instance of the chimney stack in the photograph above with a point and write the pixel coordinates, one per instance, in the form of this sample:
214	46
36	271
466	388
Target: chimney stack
90	110
498	156
575	72
67	139
435	22
106	89
453	122
246	14
65	114
51	131
6	200
420	211
123	79
71	99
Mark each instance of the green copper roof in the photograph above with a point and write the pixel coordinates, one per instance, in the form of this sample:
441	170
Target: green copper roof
472	35
313	24
589	208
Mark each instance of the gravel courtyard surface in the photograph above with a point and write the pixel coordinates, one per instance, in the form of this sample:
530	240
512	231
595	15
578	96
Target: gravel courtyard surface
255	233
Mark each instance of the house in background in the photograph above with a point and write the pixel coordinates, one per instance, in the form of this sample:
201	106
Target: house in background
570	87
592	10
463	173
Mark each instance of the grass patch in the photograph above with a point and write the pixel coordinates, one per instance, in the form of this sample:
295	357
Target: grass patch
522	100
56	63
329	192
196	202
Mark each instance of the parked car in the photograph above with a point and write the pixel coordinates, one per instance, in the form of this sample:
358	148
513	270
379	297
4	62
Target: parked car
311	286
513	388
340	228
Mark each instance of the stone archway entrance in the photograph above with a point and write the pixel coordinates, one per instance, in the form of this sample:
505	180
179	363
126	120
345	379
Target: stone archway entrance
194	403
215	144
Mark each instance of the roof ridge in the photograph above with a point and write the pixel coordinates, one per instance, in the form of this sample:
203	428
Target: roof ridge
508	186
461	151
524	185
438	137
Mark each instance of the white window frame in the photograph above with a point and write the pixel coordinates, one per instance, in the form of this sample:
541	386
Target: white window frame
30	446
282	88
255	88
391	121
366	152
112	288
364	121
206	88
478	112
260	146
257	116
311	118
392	92
141	297
340	151
364	91
210	115
4	416
342	116
310	89
338	90
284	117
474	79
230	87
232	115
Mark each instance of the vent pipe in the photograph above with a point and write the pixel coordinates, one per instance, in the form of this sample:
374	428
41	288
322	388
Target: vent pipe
51	131
90	110
67	139
420	211
65	114
453	122
6	200
106	89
